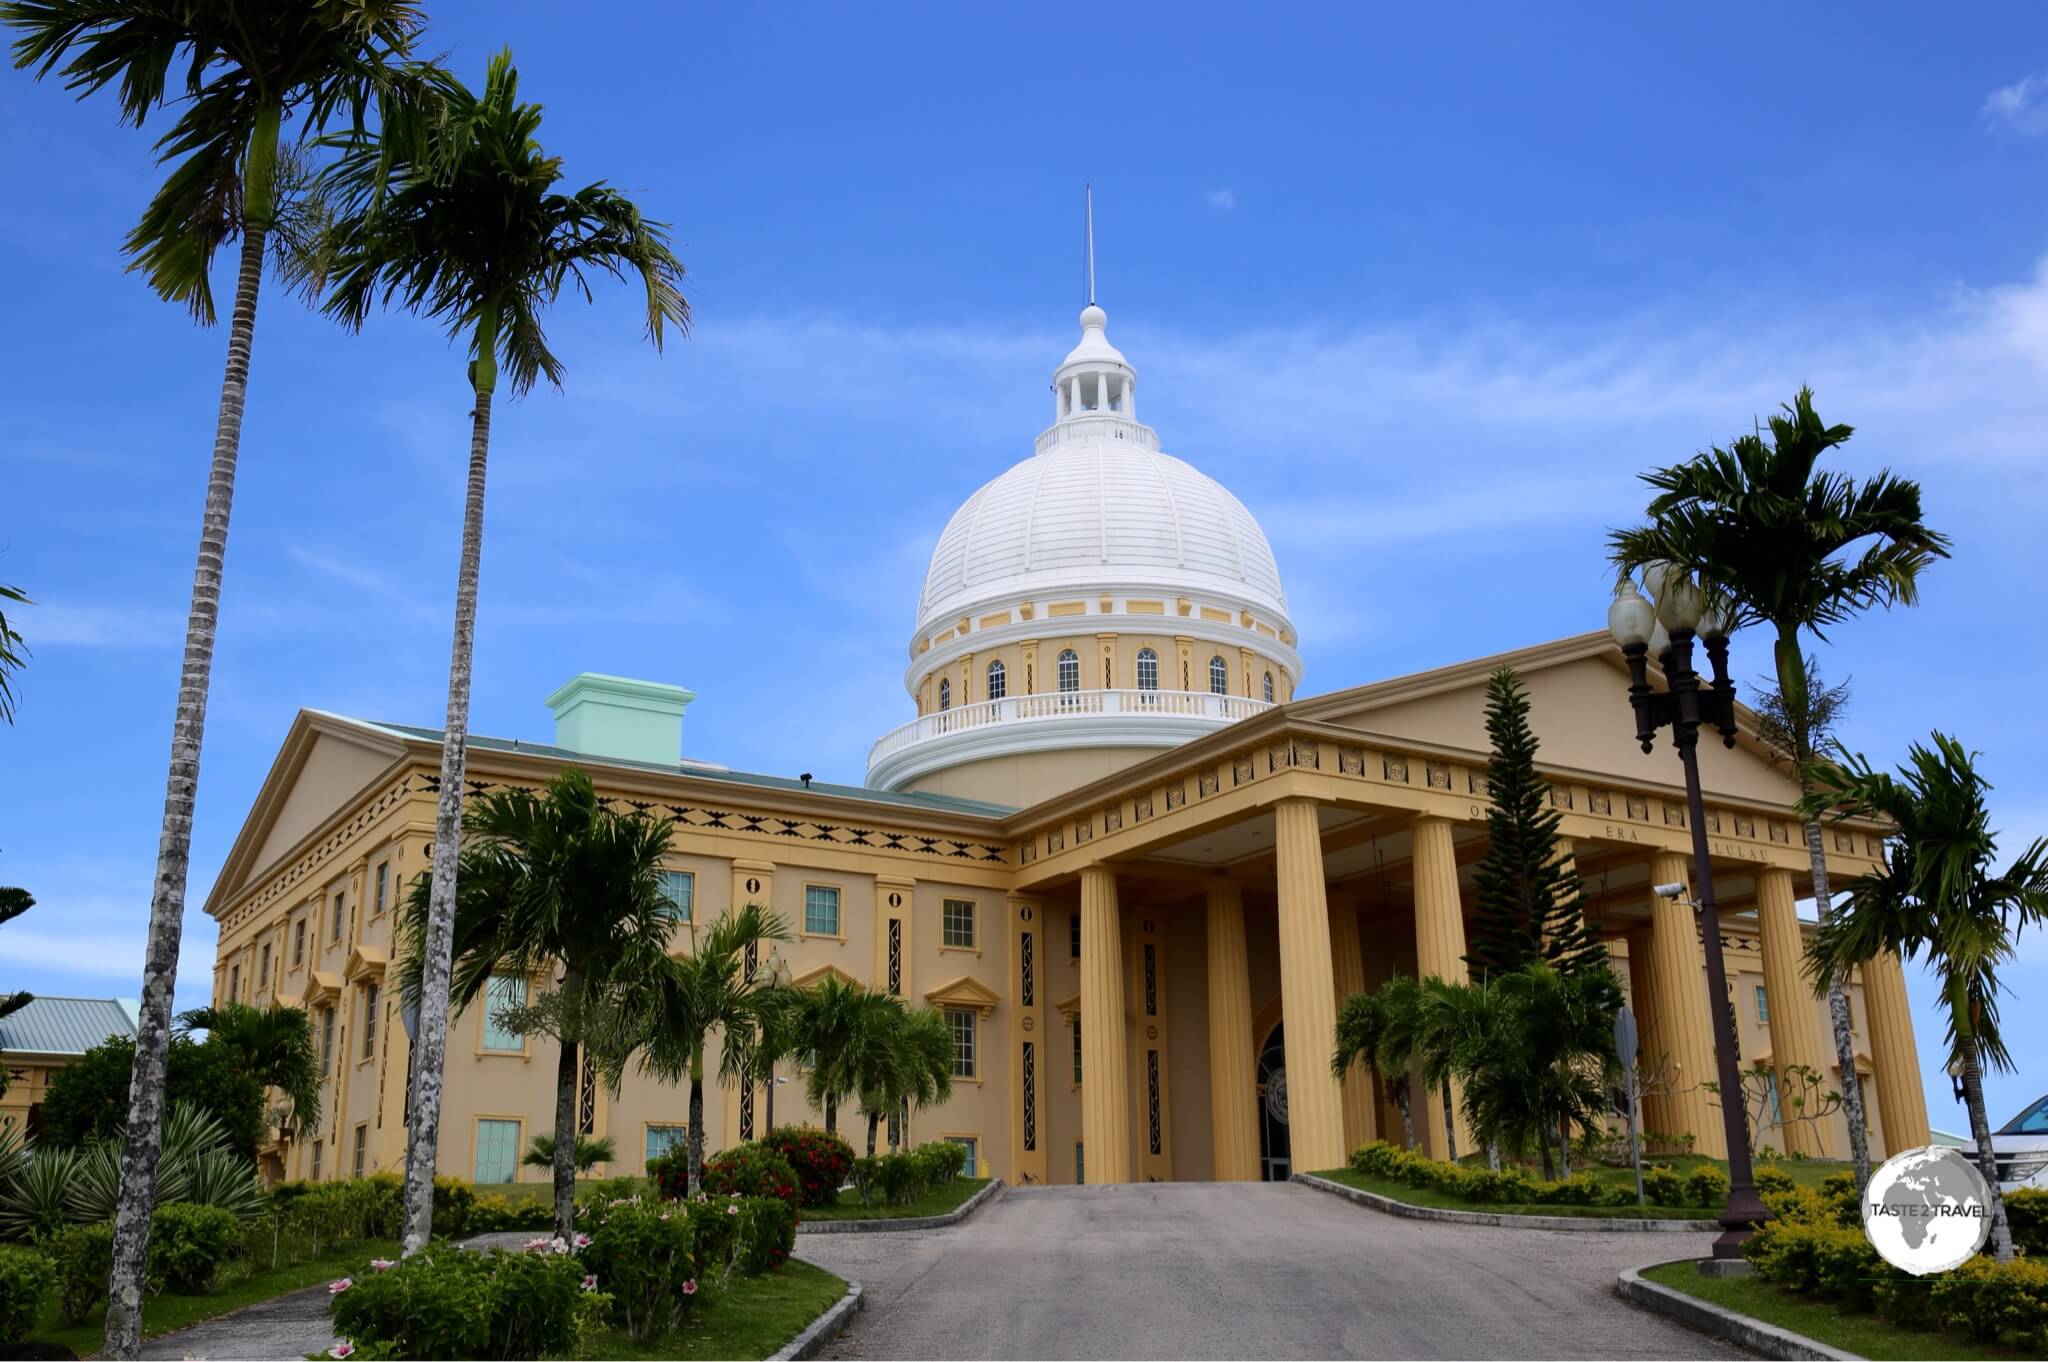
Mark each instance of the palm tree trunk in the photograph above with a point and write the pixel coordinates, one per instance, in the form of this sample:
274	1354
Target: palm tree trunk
831	1114
1987	1164
423	1135
1407	1121
1564	1146
1450	1126
1792	687
1549	1164
696	1120
1493	1155
142	1137
566	1092
874	1120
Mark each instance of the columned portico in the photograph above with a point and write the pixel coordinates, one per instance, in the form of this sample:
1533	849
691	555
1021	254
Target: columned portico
1901	1102
1105	1077
1308	989
1347	960
1233	1108
1795	1028
1685	1034
1439	952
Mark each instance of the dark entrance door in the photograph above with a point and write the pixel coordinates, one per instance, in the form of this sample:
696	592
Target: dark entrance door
1274	1164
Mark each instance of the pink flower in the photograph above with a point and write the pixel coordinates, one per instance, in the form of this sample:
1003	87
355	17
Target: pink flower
664	1215
583	1241
732	1210
690	1287
590	1282
537	1245
342	1348
382	1264
559	1244
335	1288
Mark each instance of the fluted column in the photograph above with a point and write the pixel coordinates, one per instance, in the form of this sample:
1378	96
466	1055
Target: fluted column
1439	953
1105	1083
1686	1024
1895	1059
1347	960
1795	1020
1643	1000
1308	990
1233	1067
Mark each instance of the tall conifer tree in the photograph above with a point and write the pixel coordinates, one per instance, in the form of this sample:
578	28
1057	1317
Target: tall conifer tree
1530	904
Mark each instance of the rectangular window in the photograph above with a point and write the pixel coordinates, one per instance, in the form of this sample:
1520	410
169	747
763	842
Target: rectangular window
679	887
972	1168
503	991
1074	937
298	943
821	910
1077	1049
335	934
497	1151
1080	1166
326	1039
265	976
1763	1007
362	1148
961	1020
370	996
661	1139
234	982
319	1147
383	886
956	923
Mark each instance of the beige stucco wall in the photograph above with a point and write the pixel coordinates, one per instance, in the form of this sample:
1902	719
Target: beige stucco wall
1025	778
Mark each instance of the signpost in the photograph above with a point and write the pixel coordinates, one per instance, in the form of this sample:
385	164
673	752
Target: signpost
1625	1047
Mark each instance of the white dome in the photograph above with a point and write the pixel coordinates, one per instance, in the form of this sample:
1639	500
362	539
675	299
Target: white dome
1099	513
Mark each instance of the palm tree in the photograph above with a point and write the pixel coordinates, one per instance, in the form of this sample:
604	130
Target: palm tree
453	212
1936	895
13	656
589	1152
1773	540
1380	1030
552	882
902	1055
1468	1022
277	1047
710	991
823	1024
249	67
13	903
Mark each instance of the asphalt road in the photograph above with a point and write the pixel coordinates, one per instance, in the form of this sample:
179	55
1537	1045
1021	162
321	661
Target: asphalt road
1236	1270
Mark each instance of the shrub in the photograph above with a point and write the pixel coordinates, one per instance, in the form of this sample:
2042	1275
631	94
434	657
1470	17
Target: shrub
1663	1187
751	1170
1373	1159
83	1256
641	1254
491	1213
947	1160
669	1171
2013	1299
1706	1186
766	1234
713	1233
451	1303
25	1277
821	1161
2026	1215
188	1246
1771	1181
866	1176
454	1204
1618	1195
901	1177
88	1098
1577	1190
36	1201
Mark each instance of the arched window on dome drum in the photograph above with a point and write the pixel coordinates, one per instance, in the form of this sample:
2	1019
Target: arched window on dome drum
998	680
1148	669
1219	676
1269	688
1070	671
945	695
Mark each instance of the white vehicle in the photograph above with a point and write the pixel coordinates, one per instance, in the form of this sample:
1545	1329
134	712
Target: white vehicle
2021	1148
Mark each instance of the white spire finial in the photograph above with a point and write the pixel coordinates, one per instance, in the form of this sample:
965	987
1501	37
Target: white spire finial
1089	191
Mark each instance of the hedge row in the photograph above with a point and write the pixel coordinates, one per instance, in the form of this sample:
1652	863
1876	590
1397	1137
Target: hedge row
188	1247
908	1174
1704	1186
1807	1248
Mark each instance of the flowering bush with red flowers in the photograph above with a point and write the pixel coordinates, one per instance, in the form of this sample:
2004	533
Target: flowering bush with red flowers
821	1161
751	1170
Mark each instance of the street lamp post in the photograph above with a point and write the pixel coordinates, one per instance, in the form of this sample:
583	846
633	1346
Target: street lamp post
778	979
1670	627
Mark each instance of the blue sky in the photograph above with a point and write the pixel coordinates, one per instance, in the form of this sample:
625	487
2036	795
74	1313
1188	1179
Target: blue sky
1425	290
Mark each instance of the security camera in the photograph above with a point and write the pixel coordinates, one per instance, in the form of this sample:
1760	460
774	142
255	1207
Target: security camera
1670	891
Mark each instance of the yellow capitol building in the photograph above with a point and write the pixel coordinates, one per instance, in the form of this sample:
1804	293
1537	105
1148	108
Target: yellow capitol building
1131	864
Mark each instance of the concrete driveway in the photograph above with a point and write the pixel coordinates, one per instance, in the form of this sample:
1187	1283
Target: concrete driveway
1234	1270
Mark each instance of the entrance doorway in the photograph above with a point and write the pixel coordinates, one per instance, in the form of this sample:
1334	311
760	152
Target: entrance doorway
1274	1163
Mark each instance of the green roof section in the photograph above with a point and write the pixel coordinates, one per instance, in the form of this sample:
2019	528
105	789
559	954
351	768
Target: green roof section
974	808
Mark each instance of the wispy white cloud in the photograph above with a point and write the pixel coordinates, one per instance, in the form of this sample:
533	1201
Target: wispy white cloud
1223	200
67	624
2021	106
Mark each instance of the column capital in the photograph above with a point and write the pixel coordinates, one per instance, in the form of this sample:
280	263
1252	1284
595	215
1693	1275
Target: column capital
1298	802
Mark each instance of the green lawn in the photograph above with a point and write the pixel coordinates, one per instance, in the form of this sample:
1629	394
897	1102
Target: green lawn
1804	1172
1855	1332
161	1314
542	1193
1429	1196
751	1318
936	1202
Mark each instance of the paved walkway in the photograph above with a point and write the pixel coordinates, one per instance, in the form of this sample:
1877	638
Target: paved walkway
1233	1270
290	1326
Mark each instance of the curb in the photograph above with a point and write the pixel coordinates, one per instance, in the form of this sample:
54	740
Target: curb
1766	1340
1579	1224
911	1222
823	1329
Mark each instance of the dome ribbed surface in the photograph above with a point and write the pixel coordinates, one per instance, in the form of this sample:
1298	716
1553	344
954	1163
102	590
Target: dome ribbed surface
1095	513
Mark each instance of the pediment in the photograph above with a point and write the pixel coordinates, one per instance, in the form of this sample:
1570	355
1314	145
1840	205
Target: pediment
322	988
818	974
1578	705
366	961
1070	1008
964	992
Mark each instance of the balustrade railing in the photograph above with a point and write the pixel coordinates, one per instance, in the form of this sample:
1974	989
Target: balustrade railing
1015	709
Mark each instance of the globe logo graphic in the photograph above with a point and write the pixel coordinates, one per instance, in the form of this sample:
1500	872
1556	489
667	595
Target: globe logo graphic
1927	1210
